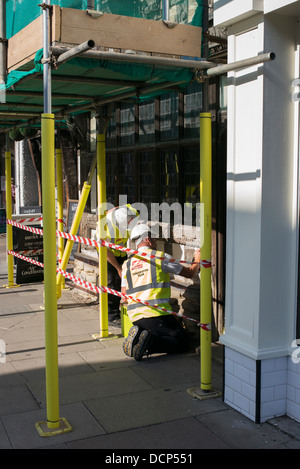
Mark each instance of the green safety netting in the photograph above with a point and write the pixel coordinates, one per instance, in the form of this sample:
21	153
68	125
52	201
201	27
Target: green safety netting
66	94
105	69
19	13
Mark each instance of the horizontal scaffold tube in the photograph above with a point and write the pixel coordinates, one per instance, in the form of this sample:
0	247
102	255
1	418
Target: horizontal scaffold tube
71	53
220	69
137	58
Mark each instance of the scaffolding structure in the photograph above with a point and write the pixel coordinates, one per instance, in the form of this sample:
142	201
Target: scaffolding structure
44	85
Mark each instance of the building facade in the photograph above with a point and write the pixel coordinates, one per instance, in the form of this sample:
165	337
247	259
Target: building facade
262	368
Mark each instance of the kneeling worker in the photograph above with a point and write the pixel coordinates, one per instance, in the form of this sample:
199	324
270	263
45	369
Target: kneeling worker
117	231
153	331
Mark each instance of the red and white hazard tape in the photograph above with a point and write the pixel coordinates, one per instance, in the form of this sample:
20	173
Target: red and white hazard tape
36	219
32	252
28	220
92	242
26	228
24	258
91	287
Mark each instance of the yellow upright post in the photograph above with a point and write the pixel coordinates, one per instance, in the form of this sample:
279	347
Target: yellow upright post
9	228
49	228
101	194
60	206
53	424
205	285
206	390
48	179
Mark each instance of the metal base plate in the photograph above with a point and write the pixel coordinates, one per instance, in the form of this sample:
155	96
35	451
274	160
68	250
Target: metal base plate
44	430
202	394
110	336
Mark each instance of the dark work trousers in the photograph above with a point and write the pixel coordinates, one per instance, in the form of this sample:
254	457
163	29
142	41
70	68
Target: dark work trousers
114	282
167	335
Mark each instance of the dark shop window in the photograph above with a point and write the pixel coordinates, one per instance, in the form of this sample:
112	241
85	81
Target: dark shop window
111	178
146	122
127	124
126	176
192	109
169	116
111	134
147	178
169	176
191	170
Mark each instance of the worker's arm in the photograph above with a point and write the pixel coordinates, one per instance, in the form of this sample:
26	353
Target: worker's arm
123	300
113	261
189	272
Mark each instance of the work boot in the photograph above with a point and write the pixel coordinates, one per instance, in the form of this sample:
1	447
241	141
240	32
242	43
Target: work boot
131	340
141	347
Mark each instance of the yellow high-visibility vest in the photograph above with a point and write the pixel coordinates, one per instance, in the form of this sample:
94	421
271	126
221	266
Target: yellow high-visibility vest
145	280
114	236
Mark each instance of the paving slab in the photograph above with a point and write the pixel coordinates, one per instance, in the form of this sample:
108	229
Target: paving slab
4	440
34	369
107	358
185	433
166	370
9	375
143	408
85	386
238	432
16	398
21	431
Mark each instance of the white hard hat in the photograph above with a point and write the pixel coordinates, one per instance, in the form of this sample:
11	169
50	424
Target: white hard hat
140	231
122	215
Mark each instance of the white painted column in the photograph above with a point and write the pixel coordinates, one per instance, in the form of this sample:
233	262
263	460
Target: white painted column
244	188
262	226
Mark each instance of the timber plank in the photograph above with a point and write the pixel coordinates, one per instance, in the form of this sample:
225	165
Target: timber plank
124	32
23	46
71	26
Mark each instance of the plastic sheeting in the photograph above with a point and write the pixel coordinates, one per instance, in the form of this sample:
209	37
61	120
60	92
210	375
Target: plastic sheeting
19	13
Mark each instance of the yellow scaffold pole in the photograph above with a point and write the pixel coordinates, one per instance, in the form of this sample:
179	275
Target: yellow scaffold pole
60	206
206	390
9	228
205	285
101	194
48	178
54	424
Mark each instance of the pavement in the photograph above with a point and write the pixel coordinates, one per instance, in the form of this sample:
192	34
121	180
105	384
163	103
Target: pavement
112	402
